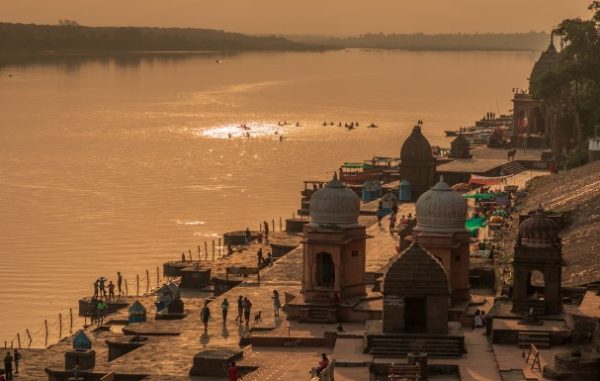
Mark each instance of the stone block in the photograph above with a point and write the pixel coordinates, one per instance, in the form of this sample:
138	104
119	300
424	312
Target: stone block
195	277
214	362
85	358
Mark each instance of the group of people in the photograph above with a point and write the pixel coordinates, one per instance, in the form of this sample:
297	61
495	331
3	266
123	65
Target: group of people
100	288
262	261
101	297
9	360
244	310
479	320
381	212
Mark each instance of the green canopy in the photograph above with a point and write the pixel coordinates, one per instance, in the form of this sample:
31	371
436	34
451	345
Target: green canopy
480	196
475	223
357	165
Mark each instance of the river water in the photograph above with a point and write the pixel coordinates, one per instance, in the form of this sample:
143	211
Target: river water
118	164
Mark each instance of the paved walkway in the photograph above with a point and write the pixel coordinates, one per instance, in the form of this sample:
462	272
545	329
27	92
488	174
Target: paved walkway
479	363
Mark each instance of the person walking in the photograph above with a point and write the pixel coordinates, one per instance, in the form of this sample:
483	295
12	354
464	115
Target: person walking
16	358
119	283
233	372
8	360
276	303
111	291
392	223
247	310
205	315
259	258
380	212
240	306
224	310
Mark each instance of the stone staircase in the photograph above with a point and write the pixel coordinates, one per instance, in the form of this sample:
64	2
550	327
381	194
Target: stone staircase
392	346
539	339
512	168
319	315
371	277
539	308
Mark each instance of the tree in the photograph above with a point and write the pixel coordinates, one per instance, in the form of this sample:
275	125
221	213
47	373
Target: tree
68	23
572	87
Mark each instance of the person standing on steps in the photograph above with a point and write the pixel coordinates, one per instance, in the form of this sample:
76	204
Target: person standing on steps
111	291
247	310
205	315
8	366
240	306
16	358
276	303
101	307
266	229
224	310
95	290
119	283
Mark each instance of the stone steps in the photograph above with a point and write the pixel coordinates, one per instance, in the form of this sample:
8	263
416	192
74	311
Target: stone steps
512	168
400	347
539	339
539	308
318	315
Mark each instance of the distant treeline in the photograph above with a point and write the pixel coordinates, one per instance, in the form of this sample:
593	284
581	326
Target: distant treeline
69	37
419	41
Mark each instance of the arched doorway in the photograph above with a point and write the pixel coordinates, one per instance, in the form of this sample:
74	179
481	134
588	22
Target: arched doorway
536	285
415	314
325	270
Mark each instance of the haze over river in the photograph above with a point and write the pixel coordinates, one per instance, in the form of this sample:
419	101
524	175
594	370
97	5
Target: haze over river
122	164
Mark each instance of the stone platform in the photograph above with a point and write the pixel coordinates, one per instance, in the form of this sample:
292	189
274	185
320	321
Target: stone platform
389	345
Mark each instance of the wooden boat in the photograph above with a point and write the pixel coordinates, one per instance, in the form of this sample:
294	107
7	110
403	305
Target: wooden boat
359	173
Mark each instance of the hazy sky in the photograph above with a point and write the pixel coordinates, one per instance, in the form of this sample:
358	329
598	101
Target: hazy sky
306	16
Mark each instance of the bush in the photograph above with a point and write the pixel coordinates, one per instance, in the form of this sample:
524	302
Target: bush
577	157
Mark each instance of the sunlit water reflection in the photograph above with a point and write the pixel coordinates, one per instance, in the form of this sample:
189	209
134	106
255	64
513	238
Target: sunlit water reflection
118	165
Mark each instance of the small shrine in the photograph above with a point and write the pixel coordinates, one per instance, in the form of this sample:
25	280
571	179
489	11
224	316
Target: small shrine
415	293
460	148
334	257
417	163
82	355
416	299
137	312
441	214
81	341
538	250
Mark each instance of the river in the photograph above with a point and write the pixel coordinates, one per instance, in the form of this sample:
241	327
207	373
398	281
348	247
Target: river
113	164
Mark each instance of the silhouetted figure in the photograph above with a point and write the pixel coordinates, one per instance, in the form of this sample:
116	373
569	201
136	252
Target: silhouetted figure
205	315
119	283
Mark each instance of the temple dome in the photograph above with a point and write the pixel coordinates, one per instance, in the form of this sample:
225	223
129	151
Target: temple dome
334	205
416	272
416	148
547	60
441	210
539	231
